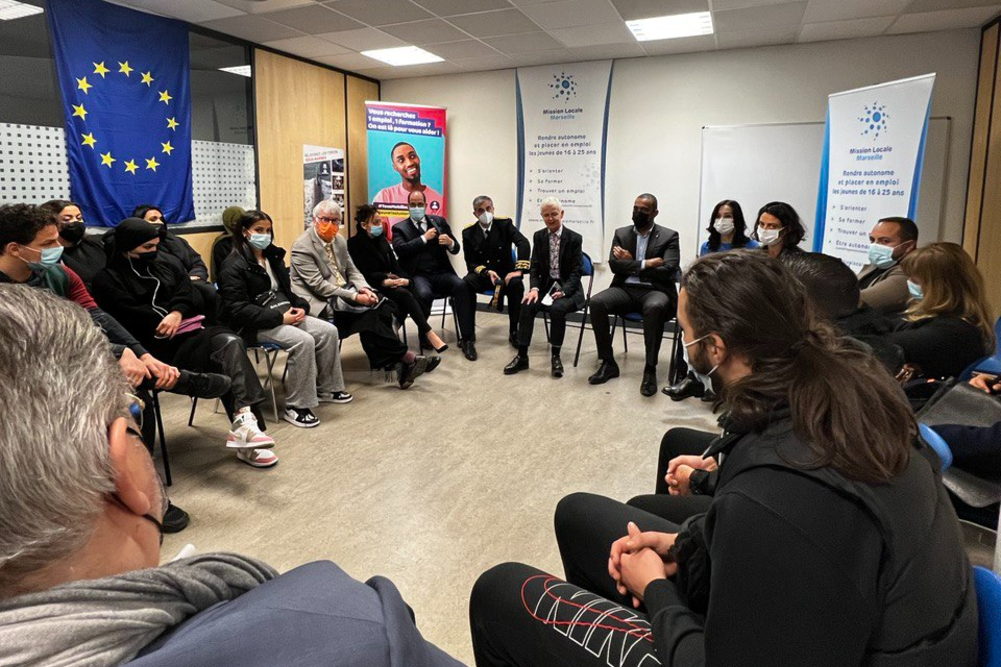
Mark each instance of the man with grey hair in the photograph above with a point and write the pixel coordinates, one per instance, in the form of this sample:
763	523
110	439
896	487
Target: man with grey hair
80	512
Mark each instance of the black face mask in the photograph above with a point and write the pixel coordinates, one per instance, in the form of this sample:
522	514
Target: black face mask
146	258
640	219
73	232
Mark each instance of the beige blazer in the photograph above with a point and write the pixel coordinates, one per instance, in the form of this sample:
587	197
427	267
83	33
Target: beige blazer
312	274
888	293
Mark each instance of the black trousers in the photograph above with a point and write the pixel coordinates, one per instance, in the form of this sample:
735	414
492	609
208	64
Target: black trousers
407	305
512	291
676	442
427	286
521	616
557	318
375	328
657	308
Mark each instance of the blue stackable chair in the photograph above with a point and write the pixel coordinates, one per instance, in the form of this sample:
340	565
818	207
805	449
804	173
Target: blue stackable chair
990	364
937	443
638	318
270	351
587	271
988	585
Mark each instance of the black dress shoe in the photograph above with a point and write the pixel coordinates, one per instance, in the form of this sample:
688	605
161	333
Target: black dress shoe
557	366
469	350
518	364
202	385
175	519
606	371
407	373
648	387
709	396
433	363
685	389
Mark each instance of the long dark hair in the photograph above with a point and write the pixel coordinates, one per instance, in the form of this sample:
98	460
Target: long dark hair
141	211
739	226
845	406
795	232
241	246
54	207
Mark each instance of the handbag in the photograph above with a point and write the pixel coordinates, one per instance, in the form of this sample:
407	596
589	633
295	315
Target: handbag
272	301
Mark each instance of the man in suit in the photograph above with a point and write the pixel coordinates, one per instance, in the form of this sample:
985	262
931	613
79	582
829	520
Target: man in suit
557	264
644	262
487	245
423	243
882	281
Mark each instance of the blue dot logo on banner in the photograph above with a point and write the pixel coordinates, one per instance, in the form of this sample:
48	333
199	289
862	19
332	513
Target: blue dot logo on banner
874	119
564	87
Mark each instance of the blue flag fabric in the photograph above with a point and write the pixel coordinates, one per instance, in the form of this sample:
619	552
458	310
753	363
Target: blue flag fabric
125	84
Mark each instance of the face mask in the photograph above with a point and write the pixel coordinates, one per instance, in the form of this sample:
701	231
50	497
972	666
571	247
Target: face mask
881	256
50	257
769	236
640	219
724	226
376	232
73	232
145	257
326	231
417	213
915	290
486	218
260	241
692	364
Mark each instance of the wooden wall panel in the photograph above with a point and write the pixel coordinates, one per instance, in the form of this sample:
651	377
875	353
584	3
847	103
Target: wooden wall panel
297	103
359	90
981	130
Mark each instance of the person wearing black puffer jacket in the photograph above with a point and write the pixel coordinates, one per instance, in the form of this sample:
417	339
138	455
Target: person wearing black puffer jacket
829	540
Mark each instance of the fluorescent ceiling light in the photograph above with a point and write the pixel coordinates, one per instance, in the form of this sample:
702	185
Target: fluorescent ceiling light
403	55
672	27
242	70
11	9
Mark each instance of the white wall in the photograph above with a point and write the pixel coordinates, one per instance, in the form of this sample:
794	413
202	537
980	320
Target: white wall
660	104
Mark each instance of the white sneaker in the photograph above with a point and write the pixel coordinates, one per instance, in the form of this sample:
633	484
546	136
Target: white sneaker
246	434
259	458
336	397
301	417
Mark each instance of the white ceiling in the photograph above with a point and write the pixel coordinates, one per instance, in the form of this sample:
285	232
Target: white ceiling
479	35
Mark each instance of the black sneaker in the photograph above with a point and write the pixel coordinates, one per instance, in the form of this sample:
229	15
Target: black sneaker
407	373
433	363
301	417
337	397
175	520
202	385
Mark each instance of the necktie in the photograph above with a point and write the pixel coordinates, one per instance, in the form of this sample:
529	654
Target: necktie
554	255
338	277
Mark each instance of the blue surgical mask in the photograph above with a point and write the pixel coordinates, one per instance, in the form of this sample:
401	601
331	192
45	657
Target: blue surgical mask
881	256
915	290
260	241
376	231
417	213
50	257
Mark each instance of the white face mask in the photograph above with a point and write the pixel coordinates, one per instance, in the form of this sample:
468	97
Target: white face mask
769	236
724	226
684	353
486	218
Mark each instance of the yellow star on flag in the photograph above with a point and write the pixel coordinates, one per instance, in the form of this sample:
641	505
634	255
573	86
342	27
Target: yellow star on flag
99	68
79	111
106	159
131	166
151	163
83	85
89	140
165	97
124	68
172	124
167	148
147	78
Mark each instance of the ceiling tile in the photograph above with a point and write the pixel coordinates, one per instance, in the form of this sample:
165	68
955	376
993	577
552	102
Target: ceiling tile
769	16
313	20
921	6
516	44
644	9
420	33
491	24
591	35
568	13
843	10
456	7
486	63
723	5
363	39
252	28
758	37
830	30
380	12
469	48
263	6
411	71
196	11
549	57
947	20
351	61
683	45
603	51
307	46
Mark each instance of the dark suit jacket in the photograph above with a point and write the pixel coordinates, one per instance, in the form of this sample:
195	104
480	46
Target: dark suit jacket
414	252
663	243
571	263
374	258
493	251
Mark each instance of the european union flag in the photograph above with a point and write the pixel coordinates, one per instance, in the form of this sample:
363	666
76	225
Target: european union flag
124	78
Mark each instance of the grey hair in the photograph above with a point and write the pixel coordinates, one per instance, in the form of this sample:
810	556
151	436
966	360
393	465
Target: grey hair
551	201
61	391
326	206
479	200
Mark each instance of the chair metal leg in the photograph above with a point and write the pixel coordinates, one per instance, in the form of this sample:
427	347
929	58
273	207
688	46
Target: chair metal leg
580	338
191	417
545	323
270	357
625	335
455	321
163	439
671	369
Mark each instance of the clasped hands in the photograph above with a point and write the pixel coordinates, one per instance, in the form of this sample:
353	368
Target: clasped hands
640	558
366	297
495	277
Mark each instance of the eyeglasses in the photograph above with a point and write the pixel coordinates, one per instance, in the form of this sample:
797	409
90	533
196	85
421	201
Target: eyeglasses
164	500
326	219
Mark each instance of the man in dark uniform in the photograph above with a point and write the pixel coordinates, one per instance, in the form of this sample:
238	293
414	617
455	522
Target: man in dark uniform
487	244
